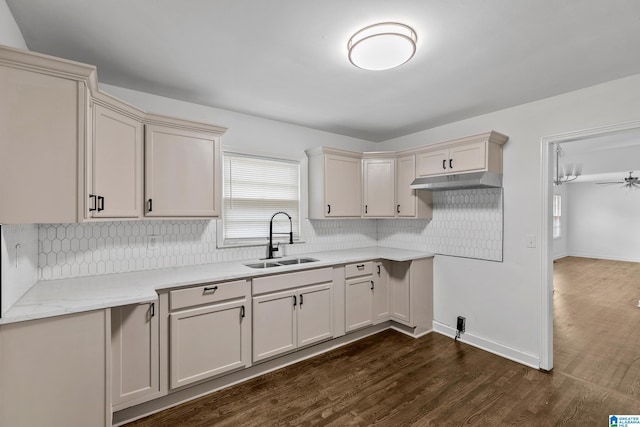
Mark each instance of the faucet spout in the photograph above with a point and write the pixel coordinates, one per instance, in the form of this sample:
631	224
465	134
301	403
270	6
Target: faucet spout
272	249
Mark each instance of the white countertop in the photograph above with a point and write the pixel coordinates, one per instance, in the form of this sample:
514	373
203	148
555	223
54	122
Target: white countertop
58	297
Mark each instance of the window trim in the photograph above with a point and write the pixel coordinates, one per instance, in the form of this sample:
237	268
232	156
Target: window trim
303	165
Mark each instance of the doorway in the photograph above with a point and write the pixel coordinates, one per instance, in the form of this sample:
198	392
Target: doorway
548	155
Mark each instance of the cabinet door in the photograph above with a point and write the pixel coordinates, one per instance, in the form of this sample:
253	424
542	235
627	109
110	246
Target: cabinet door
135	376
433	162
116	166
343	183
208	341
400	292
182	173
379	187
274	324
315	314
468	157
381	311
359	302
53	372
406	197
41	129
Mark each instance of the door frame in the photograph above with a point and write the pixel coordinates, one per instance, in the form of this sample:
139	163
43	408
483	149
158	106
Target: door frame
546	168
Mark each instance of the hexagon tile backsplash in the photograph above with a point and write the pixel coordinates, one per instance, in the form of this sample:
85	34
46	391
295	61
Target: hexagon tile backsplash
88	249
466	223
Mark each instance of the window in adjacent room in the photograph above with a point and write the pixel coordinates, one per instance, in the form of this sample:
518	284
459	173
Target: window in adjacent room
557	214
255	188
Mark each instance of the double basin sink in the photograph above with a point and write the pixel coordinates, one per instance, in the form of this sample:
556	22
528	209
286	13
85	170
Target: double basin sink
280	263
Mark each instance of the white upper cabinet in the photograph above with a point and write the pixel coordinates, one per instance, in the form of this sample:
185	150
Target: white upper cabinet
475	153
71	153
114	162
335	183
182	172
43	118
410	203
379	176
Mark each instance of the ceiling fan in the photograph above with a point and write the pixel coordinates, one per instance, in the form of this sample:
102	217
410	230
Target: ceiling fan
628	182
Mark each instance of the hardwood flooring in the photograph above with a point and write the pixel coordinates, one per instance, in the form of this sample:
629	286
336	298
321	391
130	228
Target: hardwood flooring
390	379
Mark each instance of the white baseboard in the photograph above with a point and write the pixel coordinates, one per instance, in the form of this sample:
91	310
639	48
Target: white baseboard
527	359
603	256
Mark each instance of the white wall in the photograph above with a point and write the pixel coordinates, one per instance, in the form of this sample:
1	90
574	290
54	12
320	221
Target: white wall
10	34
560	245
245	131
604	222
502	301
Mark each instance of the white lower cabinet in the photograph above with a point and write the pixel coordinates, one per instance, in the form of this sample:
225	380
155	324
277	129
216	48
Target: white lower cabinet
135	372
359	302
54	371
411	293
366	295
296	316
210	331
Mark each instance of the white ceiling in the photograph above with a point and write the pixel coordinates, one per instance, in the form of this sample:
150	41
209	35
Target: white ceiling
286	59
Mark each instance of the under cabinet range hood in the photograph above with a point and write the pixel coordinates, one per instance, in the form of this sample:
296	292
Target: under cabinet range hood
463	181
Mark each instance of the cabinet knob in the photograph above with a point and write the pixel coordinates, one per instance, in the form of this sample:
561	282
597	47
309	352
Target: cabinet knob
328	209
398	209
100	203
444	164
93	198
366	208
372	285
301	300
450	163
295	301
210	288
242	311
152	309
150	205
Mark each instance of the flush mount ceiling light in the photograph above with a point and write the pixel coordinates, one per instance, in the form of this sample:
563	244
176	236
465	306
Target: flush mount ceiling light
382	46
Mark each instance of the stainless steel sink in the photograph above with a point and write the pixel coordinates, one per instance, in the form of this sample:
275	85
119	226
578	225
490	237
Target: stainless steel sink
262	265
296	261
291	261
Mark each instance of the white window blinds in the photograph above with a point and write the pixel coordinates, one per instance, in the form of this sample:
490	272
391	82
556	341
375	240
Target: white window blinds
255	188
557	215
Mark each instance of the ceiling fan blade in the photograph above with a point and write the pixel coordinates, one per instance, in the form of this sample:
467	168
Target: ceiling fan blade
610	183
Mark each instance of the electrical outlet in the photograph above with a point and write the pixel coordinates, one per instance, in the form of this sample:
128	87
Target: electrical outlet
460	327
153	242
531	240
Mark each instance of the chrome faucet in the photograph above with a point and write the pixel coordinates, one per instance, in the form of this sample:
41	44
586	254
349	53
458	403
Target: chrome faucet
271	249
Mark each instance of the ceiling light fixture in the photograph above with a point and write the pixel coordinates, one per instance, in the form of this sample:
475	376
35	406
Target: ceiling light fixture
563	176
382	46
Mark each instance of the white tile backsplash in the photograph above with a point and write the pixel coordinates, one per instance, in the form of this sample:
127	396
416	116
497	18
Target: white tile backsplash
465	223
18	262
75	250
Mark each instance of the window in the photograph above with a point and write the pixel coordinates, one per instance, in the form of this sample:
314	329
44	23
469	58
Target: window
255	188
557	214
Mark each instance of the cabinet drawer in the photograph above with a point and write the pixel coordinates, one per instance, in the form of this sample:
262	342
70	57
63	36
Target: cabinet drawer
207	293
358	269
280	282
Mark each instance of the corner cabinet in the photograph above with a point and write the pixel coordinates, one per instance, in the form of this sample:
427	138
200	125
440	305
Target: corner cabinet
335	183
182	169
379	179
114	160
475	153
411	293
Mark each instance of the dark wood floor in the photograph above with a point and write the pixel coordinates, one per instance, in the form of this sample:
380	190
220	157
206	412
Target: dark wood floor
393	380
